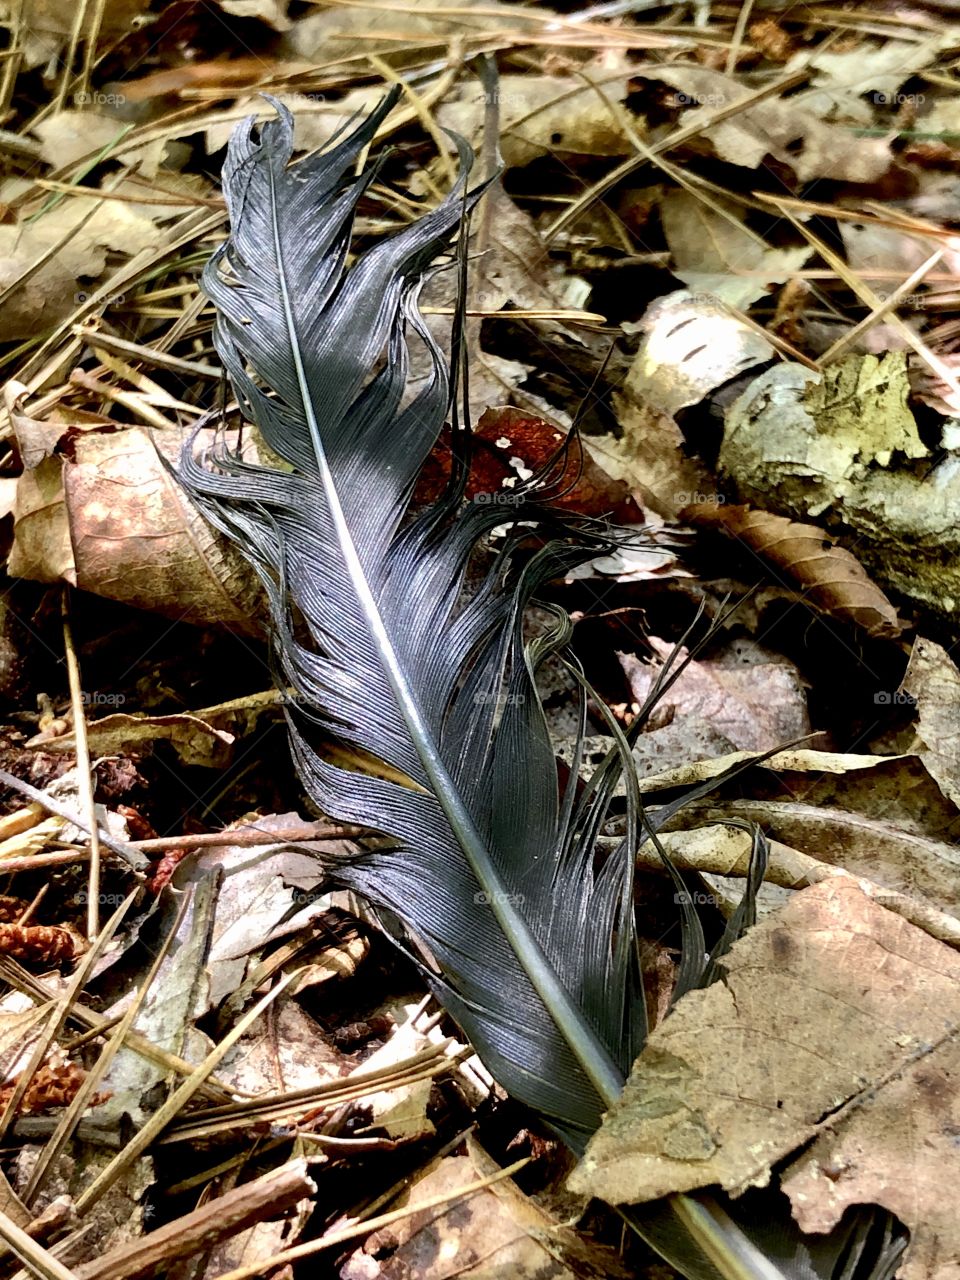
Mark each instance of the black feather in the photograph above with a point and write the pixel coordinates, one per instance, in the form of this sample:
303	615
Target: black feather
526	933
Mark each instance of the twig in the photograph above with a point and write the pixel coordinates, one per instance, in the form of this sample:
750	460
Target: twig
128	852
84	770
249	836
372	1224
218	1220
33	1255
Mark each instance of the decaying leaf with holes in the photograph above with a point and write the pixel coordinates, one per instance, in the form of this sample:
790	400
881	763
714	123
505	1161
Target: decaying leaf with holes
845	448
833	1017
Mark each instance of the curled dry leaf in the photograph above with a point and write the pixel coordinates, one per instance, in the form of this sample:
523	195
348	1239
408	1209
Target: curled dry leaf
111	519
692	345
195	740
721	851
834	1018
829	577
897	860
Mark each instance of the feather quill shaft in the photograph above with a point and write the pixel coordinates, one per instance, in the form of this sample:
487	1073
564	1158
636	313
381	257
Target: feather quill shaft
566	1014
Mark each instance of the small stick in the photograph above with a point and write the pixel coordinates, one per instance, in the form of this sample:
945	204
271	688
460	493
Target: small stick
217	1220
249	835
84	770
370	1225
38	1259
128	852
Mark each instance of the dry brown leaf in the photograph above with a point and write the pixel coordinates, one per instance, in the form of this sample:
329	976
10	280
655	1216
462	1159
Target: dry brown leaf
69	136
713	253
543	115
195	740
932	681
830	578
833	1016
114	522
842	79
80	231
494	1233
776	127
47	23
54	1085
755	700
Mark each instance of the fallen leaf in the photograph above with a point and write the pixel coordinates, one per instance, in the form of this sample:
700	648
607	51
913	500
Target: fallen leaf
714	253
776	127
114	522
893	857
932	681
490	1234
44	25
842	79
79	231
543	115
71	135
755	700
721	854
833	1018
829	577
195	740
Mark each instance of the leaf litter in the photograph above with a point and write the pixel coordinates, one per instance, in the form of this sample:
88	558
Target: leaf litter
728	253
